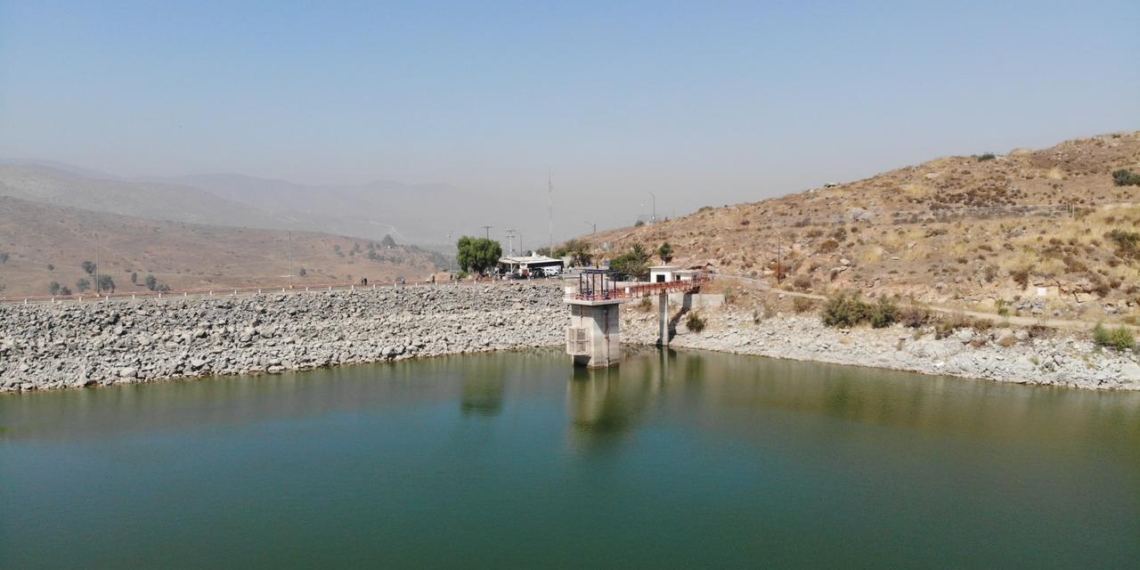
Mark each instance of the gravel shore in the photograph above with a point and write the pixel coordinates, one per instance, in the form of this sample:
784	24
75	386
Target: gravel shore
999	354
93	344
50	346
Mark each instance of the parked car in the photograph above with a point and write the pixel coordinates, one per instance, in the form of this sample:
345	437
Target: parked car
552	271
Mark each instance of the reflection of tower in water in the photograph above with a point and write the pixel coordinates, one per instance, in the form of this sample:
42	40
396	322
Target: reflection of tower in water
607	402
482	394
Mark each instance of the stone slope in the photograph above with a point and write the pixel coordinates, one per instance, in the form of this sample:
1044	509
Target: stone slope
49	346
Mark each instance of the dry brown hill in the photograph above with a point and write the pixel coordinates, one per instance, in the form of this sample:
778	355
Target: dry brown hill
41	243
978	232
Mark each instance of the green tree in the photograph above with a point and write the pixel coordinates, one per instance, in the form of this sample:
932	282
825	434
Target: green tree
389	243
151	282
4	257
106	283
82	285
665	252
88	267
478	254
631	264
134	277
302	272
577	250
54	288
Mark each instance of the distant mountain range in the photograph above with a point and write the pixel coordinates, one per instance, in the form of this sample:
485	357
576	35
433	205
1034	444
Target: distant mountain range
410	213
212	230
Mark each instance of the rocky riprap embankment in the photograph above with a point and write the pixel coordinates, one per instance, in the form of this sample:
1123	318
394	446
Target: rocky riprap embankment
1064	359
69	345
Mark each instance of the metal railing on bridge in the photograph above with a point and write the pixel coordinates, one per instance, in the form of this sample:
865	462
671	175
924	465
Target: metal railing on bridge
597	286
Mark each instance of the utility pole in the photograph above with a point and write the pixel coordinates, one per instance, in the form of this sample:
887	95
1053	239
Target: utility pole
511	242
488	230
96	263
289	253
550	206
779	260
594	224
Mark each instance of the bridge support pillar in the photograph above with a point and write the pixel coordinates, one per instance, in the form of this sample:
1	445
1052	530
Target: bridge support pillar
663	319
594	335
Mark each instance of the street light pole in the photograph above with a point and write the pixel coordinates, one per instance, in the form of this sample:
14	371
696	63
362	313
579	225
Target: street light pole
96	263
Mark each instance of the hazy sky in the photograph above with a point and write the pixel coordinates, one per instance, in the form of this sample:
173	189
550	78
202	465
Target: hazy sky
698	102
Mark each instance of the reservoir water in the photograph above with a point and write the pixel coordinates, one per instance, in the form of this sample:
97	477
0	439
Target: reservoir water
694	460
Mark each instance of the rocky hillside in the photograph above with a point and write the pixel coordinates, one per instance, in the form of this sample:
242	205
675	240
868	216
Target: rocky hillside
987	232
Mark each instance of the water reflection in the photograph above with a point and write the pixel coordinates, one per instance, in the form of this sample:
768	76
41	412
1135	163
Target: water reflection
483	392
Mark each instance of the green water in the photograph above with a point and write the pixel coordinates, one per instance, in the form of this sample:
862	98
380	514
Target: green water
517	461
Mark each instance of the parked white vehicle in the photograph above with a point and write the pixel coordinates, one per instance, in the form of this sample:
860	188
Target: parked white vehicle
552	271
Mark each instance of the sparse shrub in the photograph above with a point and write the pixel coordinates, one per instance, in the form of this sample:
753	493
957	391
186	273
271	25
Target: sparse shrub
639	223
802	282
1002	307
1127	243
82	285
1020	276
914	316
884	314
985	157
1119	338
828	246
134	278
695	323
302	272
88	268
1125	177
3	257
803	305
845	311
645	305
54	288
64	292
51	267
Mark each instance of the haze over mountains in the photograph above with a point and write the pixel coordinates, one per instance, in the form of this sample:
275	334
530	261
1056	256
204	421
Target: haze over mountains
410	213
202	232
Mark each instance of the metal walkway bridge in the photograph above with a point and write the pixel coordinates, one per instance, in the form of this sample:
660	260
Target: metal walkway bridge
595	286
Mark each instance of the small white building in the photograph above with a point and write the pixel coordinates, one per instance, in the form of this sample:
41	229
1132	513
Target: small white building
664	273
686	271
527	265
